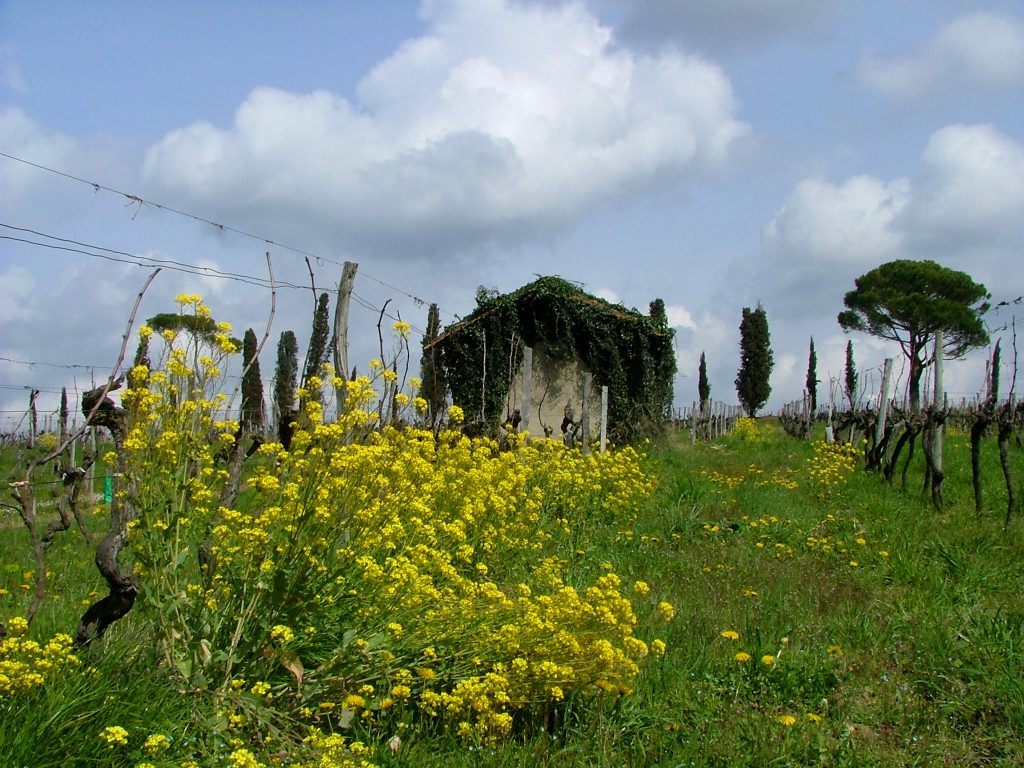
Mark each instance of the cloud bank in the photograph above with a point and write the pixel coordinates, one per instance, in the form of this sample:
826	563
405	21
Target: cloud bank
978	50
502	121
963	208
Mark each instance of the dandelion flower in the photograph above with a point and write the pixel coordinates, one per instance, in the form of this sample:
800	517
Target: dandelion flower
730	634
787	720
743	657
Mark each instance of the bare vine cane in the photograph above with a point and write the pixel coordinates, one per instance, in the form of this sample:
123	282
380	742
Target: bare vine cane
122	589
22	490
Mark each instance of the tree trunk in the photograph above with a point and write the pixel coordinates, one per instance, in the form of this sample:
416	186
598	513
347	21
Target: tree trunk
122	589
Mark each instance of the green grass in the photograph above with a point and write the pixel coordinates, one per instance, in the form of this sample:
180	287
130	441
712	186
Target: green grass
913	656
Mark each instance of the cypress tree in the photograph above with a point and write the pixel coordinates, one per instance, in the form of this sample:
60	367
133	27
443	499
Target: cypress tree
318	350
703	387
435	385
756	361
850	384
812	377
252	416
285	384
658	313
63	413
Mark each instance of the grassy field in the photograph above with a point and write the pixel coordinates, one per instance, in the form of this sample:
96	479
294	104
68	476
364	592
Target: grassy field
821	617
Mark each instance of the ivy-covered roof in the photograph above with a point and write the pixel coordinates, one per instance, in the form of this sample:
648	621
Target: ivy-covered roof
631	353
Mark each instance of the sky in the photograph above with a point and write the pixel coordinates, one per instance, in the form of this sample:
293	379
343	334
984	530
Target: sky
714	155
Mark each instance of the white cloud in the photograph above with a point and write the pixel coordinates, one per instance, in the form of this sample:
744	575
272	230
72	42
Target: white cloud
970	191
680	317
979	50
17	287
964	208
23	137
501	121
826	223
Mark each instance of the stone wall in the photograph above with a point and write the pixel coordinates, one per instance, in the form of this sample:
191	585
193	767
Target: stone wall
555	385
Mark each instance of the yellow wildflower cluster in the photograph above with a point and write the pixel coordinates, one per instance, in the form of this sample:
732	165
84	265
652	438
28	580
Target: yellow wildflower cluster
750	430
319	751
782	478
114	736
429	571
831	466
26	664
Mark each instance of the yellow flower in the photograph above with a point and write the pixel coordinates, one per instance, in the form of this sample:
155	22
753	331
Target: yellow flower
156	743
786	720
730	634
401	692
641	588
666	611
814	718
17	625
281	634
261	688
768	660
114	736
658	647
354	701
456	415
742	657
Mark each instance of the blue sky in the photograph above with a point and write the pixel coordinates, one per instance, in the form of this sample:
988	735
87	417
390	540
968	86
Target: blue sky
714	155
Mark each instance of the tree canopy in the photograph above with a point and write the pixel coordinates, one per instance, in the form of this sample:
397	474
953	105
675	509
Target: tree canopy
850	376
907	301
812	380
703	387
756	360
252	415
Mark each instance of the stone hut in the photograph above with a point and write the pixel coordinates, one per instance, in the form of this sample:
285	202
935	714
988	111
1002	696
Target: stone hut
576	344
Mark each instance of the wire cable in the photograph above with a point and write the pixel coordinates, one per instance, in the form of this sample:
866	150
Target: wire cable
141	201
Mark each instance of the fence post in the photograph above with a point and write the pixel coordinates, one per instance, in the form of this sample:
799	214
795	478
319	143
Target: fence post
527	387
348	279
585	417
939	402
604	416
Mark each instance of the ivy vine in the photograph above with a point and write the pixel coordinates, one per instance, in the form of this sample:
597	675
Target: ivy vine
631	353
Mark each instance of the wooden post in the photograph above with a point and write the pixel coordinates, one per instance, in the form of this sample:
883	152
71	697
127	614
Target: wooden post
604	416
693	422
939	403
527	388
883	403
585	416
348	279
